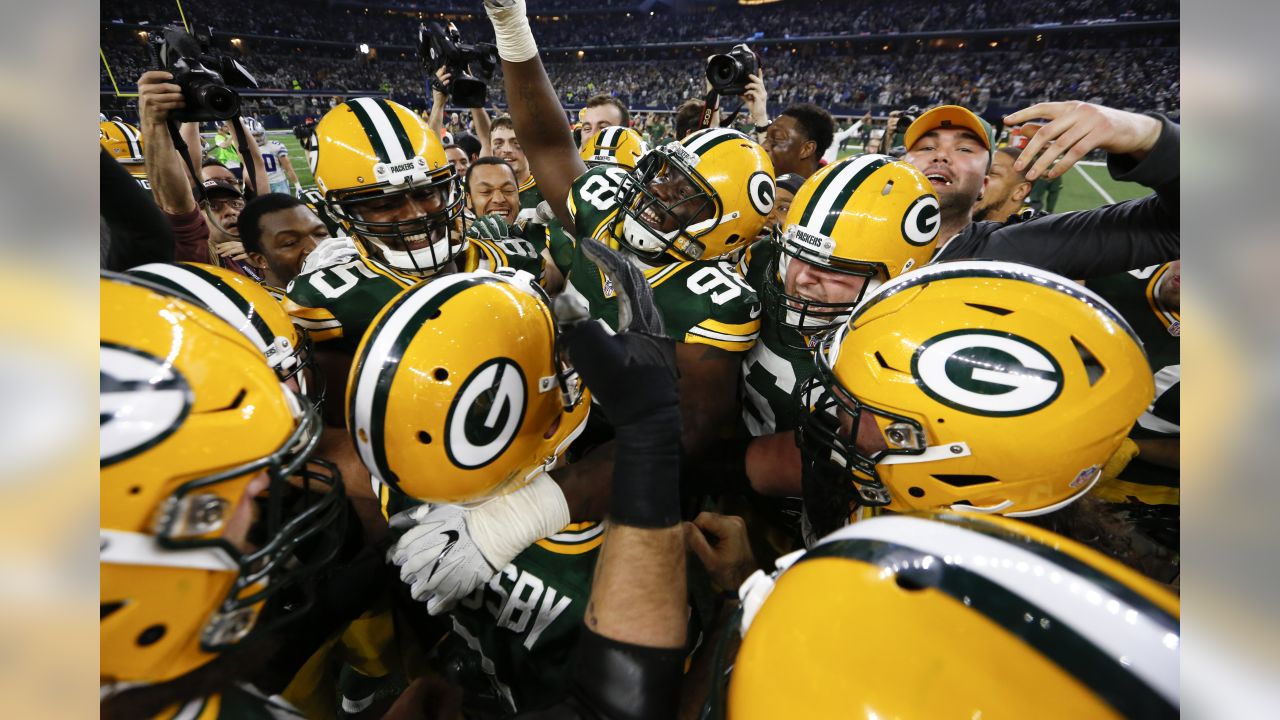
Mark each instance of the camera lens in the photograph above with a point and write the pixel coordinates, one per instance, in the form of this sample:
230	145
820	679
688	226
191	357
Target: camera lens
220	100
722	69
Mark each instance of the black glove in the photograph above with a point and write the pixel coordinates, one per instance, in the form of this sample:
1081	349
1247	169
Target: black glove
632	375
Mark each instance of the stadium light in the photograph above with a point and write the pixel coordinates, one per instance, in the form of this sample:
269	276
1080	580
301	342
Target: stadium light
581	53
364	48
235	41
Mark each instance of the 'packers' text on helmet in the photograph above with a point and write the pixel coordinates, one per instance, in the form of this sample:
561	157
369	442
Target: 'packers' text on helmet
121	140
615	145
384	173
441	416
868	216
978	385
698	198
249	308
195	429
954	615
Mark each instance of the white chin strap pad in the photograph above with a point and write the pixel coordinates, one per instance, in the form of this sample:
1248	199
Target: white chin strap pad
429	258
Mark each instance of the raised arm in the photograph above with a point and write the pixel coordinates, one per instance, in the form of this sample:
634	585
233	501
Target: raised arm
480	119
535	109
170	185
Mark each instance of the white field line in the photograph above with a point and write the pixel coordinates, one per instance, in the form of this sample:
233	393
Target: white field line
1094	183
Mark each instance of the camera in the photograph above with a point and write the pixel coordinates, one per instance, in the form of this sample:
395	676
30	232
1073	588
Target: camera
728	73
442	47
203	76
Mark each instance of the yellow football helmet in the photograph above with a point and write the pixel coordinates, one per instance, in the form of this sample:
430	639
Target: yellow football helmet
121	140
977	385
193	427
615	145
371	156
869	216
441	417
698	198
954	615
249	308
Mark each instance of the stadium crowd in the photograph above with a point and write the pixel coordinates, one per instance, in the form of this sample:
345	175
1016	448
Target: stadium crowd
834	17
643	416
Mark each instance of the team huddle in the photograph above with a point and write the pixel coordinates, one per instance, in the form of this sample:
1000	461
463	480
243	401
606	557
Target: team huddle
623	439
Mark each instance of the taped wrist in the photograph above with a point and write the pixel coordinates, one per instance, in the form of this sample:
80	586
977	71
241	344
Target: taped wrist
504	526
622	681
511	31
646	471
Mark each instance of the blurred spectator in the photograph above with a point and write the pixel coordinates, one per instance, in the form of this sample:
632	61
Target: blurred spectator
1006	189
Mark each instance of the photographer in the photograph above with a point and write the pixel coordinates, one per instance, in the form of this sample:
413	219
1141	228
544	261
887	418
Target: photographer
197	238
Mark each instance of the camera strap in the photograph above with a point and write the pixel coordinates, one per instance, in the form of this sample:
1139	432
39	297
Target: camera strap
709	106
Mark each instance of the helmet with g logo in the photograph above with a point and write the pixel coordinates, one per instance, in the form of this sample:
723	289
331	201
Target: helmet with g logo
977	385
440	417
121	140
869	216
370	153
698	198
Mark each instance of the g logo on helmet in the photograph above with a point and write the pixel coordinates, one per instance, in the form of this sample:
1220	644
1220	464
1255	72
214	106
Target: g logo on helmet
143	400
486	414
922	220
760	192
987	372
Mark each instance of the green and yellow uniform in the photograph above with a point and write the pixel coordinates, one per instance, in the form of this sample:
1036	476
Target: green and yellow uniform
704	302
337	304
237	702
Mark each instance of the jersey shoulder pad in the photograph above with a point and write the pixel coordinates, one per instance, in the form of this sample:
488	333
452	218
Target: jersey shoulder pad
341	300
754	261
708	303
593	200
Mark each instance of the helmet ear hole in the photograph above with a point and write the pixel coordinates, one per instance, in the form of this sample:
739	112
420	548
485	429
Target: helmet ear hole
424	437
440	374
916	492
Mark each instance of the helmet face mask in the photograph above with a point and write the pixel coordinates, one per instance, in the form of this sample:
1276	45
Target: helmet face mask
421	245
655	227
808	317
384	174
868	216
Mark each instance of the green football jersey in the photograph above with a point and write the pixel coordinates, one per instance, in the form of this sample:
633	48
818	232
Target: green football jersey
337	304
1135	295
772	371
530	198
704	302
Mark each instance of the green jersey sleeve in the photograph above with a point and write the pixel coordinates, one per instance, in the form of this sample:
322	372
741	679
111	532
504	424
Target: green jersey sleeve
338	303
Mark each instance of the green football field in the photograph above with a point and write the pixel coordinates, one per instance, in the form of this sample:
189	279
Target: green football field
1077	192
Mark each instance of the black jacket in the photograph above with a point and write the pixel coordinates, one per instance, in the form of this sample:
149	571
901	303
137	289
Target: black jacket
1092	243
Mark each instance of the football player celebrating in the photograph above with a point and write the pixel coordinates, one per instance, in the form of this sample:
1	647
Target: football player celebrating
683	206
123	142
384	175
441	416
854	225
275	160
213	520
925	398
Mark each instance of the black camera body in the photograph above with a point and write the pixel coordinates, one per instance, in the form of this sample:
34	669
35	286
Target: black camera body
205	78
441	46
728	73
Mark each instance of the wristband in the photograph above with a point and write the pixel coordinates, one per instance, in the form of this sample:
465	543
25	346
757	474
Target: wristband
646	471
511	30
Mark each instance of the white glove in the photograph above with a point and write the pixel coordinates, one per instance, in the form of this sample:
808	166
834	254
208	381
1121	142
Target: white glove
331	251
297	190
450	550
438	558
